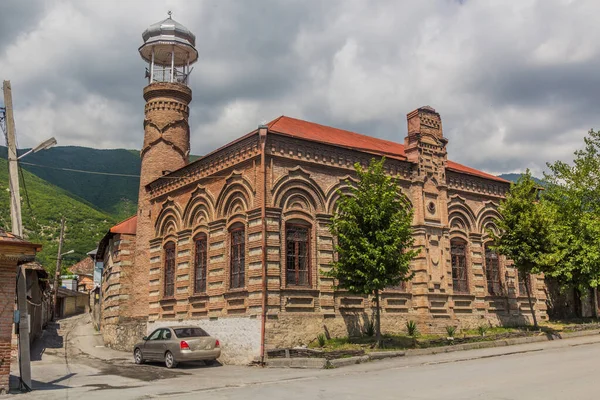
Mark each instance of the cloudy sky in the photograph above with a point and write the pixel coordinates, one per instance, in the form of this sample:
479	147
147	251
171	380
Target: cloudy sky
517	83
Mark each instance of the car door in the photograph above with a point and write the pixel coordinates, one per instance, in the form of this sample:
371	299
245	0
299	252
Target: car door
152	346
167	343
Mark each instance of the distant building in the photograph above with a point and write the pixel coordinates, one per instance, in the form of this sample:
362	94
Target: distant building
84	270
238	240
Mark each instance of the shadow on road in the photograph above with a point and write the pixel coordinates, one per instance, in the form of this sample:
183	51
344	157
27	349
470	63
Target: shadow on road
50	339
38	385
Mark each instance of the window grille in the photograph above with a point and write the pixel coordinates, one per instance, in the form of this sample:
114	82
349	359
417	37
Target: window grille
460	280
237	258
169	270
200	258
297	255
492	272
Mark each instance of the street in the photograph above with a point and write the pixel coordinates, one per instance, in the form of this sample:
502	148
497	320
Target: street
548	370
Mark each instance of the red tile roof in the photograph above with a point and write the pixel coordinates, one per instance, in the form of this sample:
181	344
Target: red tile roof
127	227
9	238
339	137
83	267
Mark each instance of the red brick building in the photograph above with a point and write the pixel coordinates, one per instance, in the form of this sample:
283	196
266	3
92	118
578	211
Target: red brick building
14	251
238	240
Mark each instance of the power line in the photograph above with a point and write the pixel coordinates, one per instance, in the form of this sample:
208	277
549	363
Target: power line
81	170
112	173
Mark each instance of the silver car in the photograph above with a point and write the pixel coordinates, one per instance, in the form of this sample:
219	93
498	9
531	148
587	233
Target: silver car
177	344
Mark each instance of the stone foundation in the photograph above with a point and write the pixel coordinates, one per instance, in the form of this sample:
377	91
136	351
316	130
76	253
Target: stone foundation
239	336
123	335
288	330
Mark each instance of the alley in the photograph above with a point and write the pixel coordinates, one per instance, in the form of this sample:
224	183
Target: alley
73	365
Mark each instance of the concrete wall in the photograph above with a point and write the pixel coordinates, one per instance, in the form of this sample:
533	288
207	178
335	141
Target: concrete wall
239	337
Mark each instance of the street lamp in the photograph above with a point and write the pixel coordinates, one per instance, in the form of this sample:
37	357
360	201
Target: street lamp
45	145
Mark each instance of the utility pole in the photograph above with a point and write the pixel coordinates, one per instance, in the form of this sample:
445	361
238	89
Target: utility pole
58	265
17	229
13	167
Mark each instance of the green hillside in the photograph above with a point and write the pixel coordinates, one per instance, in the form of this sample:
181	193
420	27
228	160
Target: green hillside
115	195
85	224
515	178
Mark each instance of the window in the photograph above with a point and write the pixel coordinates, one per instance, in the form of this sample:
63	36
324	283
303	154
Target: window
523	281
156	335
200	258
237	261
297	263
492	272
170	269
183	333
458	251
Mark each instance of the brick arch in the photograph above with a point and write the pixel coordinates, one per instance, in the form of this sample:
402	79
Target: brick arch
336	191
169	219
298	184
487	217
460	215
200	206
236	194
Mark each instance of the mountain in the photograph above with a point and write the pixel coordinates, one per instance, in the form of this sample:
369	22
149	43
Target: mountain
43	204
112	194
515	178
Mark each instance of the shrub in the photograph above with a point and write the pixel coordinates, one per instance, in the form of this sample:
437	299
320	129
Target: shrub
321	339
482	329
369	328
411	328
450	330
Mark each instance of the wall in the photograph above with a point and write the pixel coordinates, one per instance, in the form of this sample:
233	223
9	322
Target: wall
239	336
120	329
7	302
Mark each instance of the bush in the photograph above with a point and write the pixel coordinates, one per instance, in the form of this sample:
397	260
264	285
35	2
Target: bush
482	330
321	339
411	328
369	328
450	330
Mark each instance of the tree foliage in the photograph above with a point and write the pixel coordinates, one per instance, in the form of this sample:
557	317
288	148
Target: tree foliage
525	231
374	235
573	192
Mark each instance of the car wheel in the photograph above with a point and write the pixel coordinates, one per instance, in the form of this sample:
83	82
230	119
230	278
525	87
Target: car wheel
170	360
210	362
138	357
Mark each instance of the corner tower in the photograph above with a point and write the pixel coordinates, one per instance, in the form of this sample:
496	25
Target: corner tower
169	51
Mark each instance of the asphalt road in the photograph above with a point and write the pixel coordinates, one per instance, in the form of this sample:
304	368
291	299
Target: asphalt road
563	369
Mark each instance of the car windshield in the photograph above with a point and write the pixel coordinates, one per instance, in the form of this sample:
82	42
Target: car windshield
189	332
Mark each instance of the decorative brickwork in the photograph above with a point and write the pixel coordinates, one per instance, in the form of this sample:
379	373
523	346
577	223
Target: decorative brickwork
220	197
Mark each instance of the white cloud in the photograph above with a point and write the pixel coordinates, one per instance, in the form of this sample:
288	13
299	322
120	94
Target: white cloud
515	82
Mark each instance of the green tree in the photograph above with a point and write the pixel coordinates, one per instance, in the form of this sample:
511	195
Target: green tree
525	231
374	236
573	190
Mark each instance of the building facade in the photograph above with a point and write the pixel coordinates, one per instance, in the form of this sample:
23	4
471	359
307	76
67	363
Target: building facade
14	252
238	241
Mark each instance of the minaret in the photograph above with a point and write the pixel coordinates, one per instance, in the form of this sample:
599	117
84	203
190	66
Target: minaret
169	50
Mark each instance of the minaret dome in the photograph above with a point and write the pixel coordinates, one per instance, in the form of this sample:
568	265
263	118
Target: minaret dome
169	49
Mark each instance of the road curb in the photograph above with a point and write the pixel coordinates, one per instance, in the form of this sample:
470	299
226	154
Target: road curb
320	363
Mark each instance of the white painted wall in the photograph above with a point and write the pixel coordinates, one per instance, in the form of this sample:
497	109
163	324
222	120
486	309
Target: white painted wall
239	336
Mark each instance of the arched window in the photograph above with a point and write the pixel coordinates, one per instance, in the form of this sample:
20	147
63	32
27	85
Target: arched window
492	272
460	280
297	250
237	259
200	263
169	269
